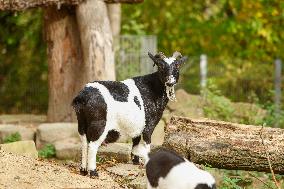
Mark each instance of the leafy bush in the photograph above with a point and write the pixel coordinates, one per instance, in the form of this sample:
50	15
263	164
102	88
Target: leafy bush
47	151
272	119
12	138
216	106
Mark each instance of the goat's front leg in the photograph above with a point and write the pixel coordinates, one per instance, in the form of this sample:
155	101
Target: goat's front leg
147	139
142	149
135	143
84	155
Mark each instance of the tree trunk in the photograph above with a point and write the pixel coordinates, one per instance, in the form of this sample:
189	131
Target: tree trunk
96	40
64	62
114	15
227	145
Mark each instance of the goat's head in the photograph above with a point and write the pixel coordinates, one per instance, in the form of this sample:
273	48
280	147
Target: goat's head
168	69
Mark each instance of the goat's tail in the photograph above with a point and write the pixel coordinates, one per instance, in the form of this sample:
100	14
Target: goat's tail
78	102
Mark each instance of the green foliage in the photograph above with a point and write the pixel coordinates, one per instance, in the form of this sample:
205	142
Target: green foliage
241	38
23	68
47	151
271	119
230	183
217	106
12	138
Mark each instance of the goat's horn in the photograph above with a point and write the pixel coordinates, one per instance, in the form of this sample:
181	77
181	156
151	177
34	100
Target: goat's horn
177	54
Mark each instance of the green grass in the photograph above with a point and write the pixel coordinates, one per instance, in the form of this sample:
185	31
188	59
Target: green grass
47	151
12	138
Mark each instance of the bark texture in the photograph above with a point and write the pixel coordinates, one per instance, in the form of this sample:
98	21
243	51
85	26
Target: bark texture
64	62
18	5
226	145
124	1
96	41
114	15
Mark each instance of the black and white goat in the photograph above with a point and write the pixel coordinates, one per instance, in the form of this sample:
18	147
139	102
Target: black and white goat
165	169
133	107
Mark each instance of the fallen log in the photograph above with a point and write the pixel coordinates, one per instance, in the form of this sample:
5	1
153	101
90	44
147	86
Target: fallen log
227	145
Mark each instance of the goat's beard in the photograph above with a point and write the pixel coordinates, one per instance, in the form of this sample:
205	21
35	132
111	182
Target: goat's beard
171	93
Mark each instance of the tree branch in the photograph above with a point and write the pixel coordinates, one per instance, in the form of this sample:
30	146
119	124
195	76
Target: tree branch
19	5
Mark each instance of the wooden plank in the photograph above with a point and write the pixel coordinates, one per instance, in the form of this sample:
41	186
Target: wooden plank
226	145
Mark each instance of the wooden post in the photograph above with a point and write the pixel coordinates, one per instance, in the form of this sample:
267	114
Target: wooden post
203	71
277	85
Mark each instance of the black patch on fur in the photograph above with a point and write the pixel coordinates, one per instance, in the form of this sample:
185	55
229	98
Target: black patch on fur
135	158
118	90
137	102
83	172
94	173
160	164
91	111
205	186
154	97
112	136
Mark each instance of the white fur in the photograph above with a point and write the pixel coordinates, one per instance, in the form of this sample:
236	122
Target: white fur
124	117
171	79
84	151
171	93
92	155
184	176
169	60
142	150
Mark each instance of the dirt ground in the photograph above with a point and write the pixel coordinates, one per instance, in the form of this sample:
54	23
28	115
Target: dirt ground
24	172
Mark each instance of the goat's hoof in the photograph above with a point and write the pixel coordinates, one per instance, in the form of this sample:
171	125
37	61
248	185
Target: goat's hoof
135	160
83	171
94	173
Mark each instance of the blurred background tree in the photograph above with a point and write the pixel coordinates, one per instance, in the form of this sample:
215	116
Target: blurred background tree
241	39
23	66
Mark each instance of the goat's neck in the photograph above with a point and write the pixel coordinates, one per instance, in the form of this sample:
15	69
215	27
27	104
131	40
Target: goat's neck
153	90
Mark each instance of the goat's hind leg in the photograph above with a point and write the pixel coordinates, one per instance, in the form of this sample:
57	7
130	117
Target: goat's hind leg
84	155
96	134
84	142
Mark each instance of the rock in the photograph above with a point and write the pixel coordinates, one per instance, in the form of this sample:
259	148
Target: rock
26	148
68	148
186	105
8	129
158	134
49	133
118	151
128	171
139	183
22	118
